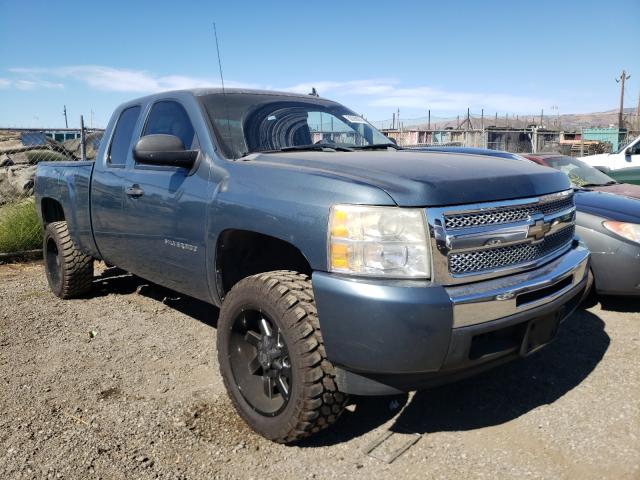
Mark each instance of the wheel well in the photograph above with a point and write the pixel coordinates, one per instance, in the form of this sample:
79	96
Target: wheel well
241	253
51	211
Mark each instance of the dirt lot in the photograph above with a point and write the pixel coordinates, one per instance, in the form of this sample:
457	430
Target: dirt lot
125	385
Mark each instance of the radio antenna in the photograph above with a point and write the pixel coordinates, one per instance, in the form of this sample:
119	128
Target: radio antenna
215	34
224	93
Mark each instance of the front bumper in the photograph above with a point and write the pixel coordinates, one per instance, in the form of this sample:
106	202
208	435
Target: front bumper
390	336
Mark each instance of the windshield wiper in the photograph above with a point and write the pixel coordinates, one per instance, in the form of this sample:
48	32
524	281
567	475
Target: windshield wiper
317	147
374	146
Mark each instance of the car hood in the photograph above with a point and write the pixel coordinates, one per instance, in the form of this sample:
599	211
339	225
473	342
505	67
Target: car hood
429	178
626	189
608	206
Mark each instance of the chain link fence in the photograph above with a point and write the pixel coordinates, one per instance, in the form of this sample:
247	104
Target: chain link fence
22	149
20	152
515	140
521	140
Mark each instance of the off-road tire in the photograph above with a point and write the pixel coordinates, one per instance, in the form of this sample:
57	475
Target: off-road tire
315	402
69	271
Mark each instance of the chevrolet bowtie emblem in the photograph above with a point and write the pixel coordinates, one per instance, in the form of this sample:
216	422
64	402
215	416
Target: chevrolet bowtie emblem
538	230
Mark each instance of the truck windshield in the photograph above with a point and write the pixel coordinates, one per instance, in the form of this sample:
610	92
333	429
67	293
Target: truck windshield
245	123
626	145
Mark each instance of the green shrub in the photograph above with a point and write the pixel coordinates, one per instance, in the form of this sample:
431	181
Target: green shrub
20	227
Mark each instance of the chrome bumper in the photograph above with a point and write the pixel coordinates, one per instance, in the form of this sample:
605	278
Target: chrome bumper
494	299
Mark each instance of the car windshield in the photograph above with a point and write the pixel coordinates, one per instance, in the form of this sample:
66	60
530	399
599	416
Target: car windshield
626	145
579	172
245	123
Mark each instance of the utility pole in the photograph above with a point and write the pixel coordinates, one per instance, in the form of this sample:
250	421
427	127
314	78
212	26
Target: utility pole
429	117
621	80
557	120
66	124
638	114
83	140
541	117
482	118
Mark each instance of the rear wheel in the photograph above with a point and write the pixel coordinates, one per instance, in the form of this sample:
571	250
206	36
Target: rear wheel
69	271
272	357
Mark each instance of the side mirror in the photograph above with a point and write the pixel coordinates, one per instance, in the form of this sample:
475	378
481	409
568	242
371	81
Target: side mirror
628	152
165	150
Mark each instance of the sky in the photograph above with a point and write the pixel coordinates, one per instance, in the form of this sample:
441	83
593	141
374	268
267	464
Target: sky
515	57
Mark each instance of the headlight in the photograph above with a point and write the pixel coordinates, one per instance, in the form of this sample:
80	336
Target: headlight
379	241
630	231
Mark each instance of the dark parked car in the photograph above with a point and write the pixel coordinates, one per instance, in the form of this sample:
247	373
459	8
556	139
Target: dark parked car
341	264
584	175
609	224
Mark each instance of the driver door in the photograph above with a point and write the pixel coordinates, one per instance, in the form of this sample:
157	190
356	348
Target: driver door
627	166
165	208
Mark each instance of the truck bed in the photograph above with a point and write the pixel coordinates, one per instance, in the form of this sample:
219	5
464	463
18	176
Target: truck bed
68	183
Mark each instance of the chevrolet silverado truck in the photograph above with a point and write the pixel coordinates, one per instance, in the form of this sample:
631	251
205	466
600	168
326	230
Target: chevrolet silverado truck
341	265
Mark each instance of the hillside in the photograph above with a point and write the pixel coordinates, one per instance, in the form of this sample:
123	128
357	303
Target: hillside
570	121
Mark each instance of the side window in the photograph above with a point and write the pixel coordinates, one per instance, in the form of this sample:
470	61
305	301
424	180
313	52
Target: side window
636	149
170	118
121	142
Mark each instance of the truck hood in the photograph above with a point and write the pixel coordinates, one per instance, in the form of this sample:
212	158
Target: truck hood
608	206
429	178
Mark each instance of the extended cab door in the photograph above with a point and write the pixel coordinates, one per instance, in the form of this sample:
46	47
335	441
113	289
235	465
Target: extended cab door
165	208
107	189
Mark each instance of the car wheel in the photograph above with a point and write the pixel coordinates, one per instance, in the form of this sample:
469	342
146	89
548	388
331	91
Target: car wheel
69	271
272	357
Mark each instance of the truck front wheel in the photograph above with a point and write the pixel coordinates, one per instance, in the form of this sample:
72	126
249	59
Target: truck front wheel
272	357
69	271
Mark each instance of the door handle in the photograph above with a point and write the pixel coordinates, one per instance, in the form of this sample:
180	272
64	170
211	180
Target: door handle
134	191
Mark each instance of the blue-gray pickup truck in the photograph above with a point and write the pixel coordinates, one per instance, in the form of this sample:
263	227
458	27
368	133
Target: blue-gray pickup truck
341	263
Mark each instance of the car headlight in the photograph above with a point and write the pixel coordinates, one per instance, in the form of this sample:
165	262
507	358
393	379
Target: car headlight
379	241
630	231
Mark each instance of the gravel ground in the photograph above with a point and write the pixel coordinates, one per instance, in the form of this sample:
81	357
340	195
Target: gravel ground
125	384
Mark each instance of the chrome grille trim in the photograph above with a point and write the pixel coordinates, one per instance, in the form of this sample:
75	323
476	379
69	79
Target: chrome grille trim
481	241
501	257
502	215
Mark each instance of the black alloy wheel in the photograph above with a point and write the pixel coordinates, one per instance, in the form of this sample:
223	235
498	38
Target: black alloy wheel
260	362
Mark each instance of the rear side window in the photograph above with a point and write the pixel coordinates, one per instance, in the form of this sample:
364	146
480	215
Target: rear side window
170	118
122	136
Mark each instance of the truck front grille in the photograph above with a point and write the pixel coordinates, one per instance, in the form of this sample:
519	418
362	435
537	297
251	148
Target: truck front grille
506	214
501	257
486	240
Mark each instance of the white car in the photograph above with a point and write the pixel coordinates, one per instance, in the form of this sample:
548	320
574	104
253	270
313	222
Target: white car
623	165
